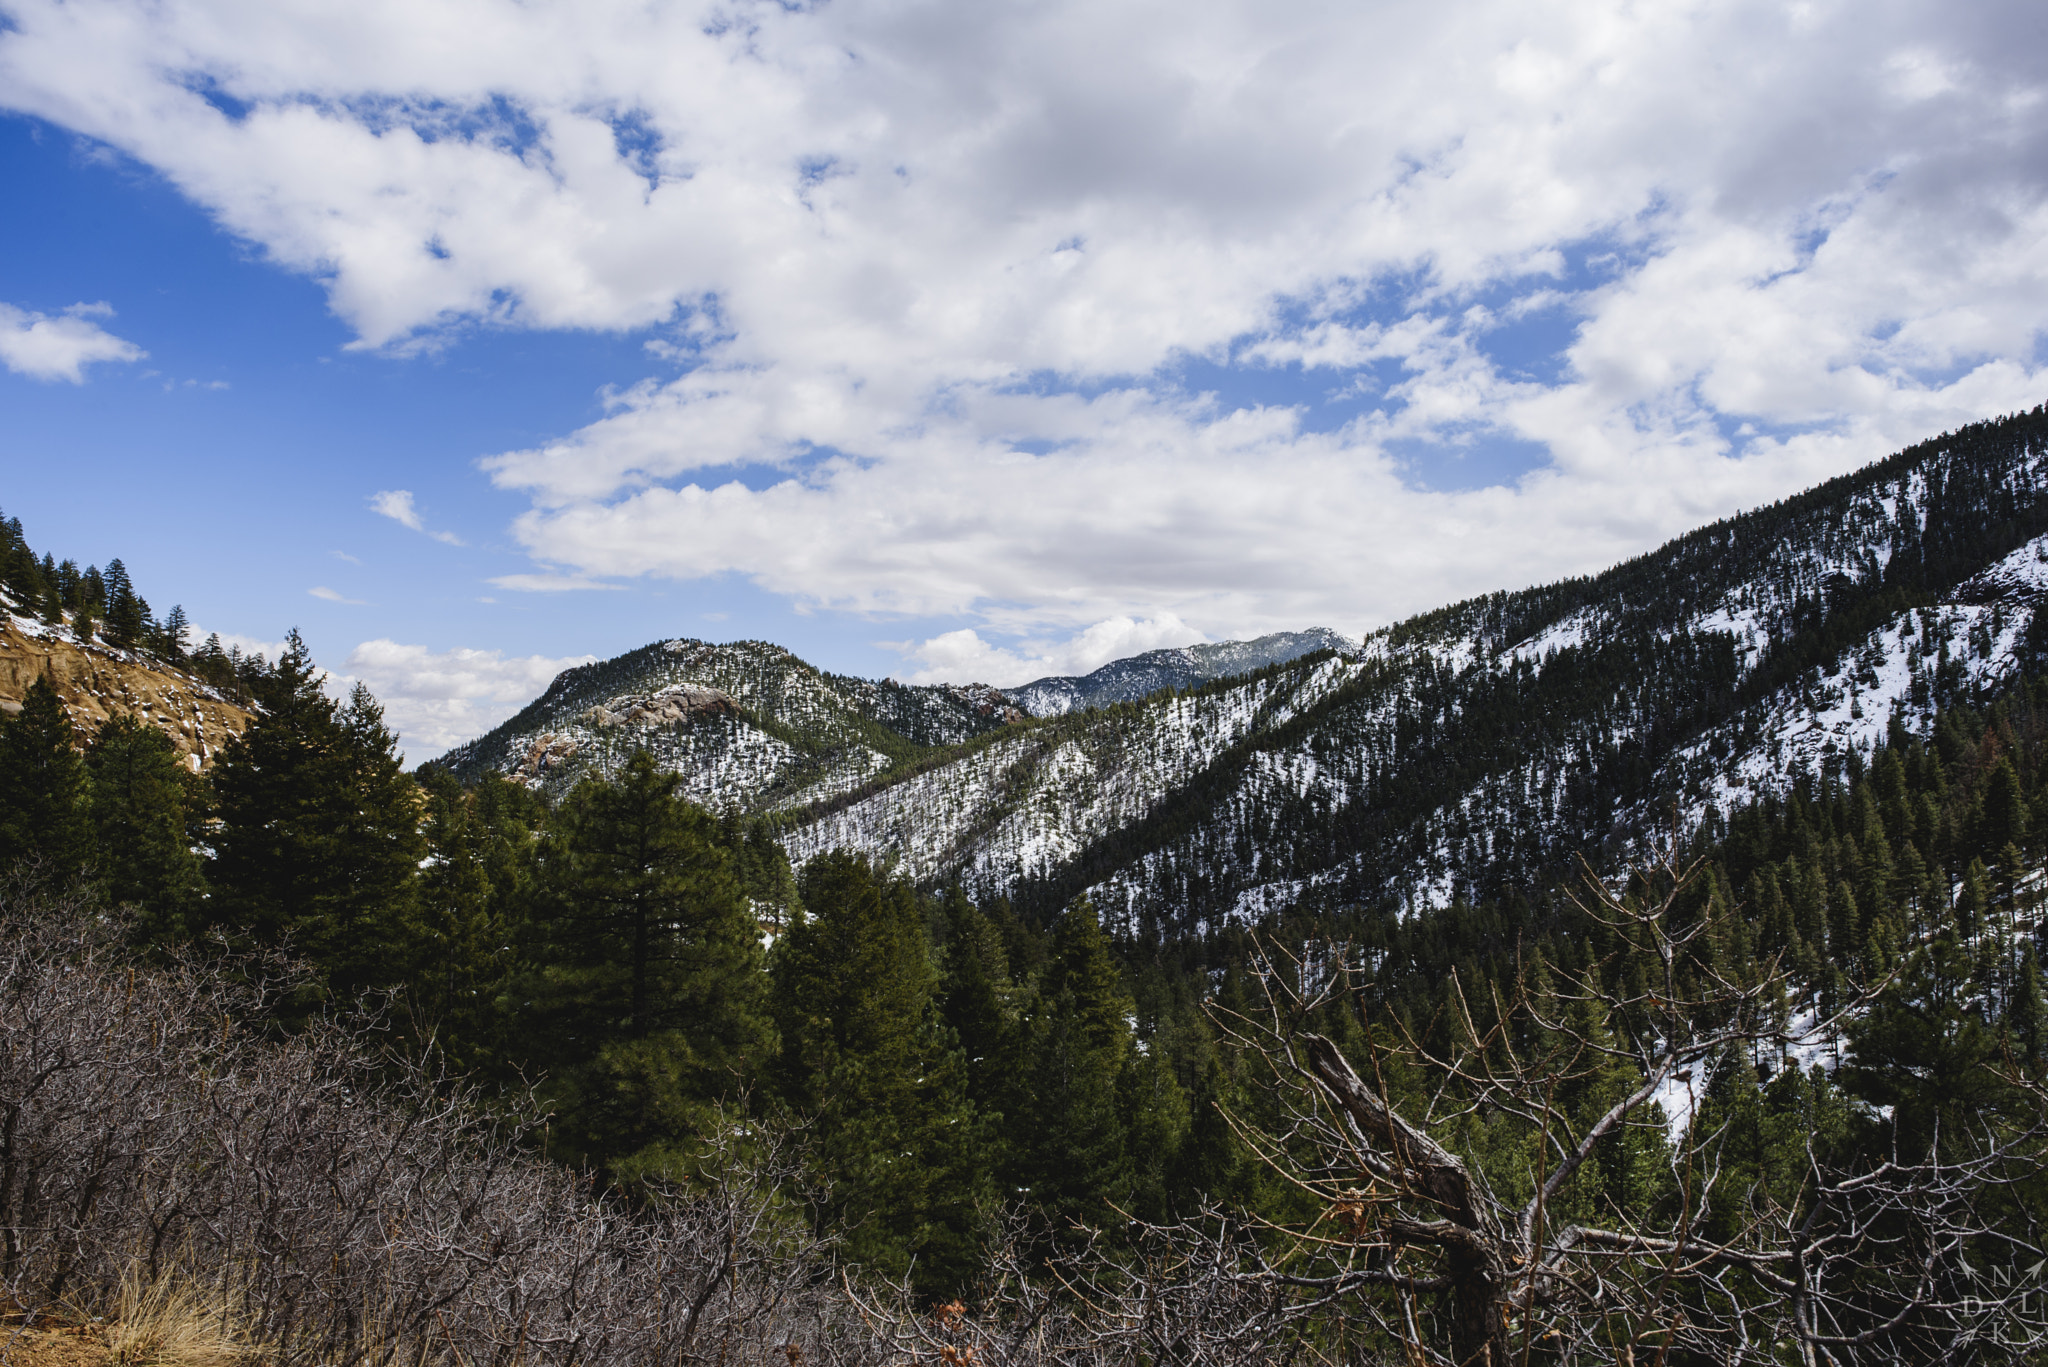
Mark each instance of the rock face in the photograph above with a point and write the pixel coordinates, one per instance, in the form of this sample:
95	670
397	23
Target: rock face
677	706
98	681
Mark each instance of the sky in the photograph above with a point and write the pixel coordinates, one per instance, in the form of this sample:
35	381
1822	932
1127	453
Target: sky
971	342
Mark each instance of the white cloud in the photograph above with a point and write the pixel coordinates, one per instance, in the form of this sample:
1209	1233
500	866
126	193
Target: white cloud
43	347
398	505
943	268
550	583
963	656
438	699
334	596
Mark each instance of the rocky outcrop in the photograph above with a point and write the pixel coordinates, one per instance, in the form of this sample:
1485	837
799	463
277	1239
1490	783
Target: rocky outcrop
97	681
546	754
676	706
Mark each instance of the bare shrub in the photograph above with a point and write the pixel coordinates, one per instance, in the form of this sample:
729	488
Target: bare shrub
337	1211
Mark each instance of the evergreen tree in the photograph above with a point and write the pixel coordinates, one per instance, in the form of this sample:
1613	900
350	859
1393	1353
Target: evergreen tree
127	615
1074	1158
647	991
2003	818
2027	1015
977	1001
460	959
42	788
176	632
318	842
142	804
866	1056
53	592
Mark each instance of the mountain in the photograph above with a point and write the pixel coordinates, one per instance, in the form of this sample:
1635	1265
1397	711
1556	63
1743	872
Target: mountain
1138	676
750	726
1485	746
1467	752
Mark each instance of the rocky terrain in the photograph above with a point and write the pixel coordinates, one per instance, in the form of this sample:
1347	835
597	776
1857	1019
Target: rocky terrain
97	680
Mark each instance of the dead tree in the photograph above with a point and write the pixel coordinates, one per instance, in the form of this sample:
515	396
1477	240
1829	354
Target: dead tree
1447	1257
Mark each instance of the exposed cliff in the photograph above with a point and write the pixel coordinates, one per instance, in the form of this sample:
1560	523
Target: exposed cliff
96	681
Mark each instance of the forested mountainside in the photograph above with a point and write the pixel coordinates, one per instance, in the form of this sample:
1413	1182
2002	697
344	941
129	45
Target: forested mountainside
1139	676
1817	1032
92	638
1490	743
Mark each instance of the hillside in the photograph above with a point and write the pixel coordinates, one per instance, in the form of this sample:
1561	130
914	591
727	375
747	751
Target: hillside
1140	676
1489	743
749	725
1481	746
97	680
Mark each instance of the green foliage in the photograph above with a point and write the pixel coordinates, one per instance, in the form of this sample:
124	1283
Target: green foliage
867	1059
42	788
318	845
641	988
146	806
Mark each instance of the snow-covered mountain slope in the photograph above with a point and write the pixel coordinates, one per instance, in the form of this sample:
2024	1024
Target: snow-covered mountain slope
1139	676
750	726
1492	742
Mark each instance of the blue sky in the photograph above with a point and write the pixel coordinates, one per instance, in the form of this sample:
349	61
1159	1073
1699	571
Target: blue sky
970	344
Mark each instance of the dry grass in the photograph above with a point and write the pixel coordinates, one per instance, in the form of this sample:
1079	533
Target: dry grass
174	1321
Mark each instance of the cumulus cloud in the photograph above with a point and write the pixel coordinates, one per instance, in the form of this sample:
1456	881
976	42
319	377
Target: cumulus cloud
987	311
437	699
399	506
959	656
60	347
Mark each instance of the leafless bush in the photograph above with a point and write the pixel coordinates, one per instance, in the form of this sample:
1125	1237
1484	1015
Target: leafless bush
1419	1248
1192	1295
336	1212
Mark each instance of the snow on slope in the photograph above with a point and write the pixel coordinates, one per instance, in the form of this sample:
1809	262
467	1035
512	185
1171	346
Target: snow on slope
1022	807
1139	676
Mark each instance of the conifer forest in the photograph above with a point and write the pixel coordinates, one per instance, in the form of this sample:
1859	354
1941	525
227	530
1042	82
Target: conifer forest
1639	968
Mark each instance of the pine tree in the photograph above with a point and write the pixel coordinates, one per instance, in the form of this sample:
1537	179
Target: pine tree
127	616
977	1001
647	978
864	1053
460	960
176	632
1074	1158
142	806
2003	817
319	843
42	788
2027	1014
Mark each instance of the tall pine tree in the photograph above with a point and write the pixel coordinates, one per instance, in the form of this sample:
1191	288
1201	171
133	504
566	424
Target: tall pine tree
645	986
42	788
143	803
318	843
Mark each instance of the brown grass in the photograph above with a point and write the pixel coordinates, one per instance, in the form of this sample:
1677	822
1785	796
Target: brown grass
173	1321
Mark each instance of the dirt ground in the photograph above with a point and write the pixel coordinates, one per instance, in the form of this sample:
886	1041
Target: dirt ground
66	1347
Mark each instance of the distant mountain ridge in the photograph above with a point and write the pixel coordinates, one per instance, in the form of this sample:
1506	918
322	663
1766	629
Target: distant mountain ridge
1485	746
1466	752
1139	676
753	728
